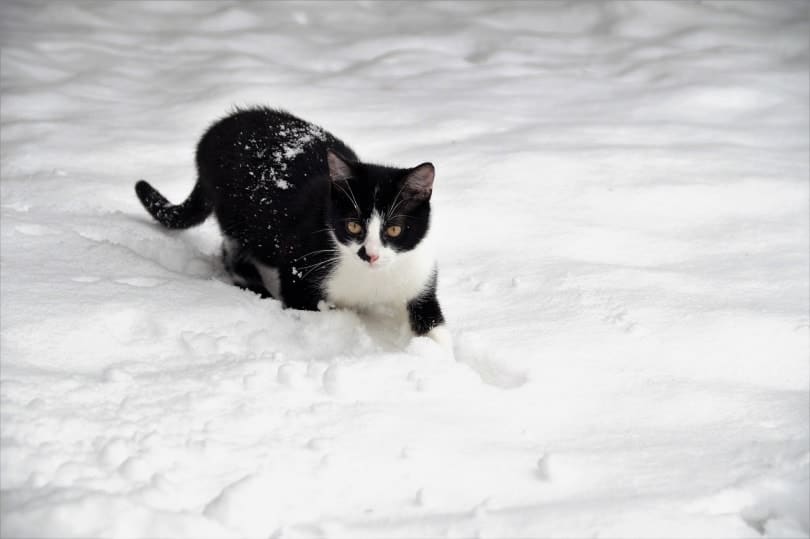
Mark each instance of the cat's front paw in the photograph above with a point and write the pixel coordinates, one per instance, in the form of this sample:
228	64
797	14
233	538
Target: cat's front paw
441	335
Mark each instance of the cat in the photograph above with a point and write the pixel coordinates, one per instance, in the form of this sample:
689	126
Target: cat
306	222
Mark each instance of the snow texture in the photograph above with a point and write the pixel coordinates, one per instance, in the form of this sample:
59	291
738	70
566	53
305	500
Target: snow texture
621	211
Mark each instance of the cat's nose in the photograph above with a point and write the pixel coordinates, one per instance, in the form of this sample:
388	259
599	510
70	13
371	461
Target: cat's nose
371	258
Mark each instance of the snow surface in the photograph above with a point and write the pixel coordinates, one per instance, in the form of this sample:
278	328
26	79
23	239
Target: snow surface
621	208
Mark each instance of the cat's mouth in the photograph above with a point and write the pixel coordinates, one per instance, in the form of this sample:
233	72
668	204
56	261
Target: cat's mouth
375	262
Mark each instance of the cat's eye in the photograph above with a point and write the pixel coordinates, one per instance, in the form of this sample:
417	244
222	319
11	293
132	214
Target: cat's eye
393	231
353	227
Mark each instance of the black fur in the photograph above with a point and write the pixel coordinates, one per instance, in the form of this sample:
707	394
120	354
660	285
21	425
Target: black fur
192	212
424	312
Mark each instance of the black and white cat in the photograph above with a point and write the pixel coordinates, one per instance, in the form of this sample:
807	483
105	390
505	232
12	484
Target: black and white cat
307	223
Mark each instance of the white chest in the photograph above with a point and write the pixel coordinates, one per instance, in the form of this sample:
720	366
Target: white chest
353	283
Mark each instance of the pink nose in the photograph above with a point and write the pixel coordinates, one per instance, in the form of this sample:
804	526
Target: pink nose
373	258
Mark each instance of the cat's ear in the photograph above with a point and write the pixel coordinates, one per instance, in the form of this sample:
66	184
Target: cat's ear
419	181
339	168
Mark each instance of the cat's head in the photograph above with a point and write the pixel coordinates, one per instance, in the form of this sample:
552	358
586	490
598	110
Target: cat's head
377	213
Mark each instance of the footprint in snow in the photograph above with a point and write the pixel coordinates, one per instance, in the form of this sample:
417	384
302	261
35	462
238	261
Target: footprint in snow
619	317
476	354
130	325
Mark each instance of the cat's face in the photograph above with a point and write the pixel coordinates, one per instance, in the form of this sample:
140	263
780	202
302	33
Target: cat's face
378	213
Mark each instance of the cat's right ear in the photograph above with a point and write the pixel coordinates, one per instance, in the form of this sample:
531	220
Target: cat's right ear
419	181
339	168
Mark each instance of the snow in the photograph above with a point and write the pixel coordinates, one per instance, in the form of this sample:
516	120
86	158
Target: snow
621	214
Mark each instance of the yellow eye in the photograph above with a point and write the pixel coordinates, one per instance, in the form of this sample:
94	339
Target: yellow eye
393	231
353	227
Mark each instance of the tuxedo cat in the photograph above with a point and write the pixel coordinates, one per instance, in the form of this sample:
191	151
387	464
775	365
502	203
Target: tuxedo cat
307	223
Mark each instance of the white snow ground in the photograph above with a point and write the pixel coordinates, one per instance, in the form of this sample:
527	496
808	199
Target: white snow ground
622	209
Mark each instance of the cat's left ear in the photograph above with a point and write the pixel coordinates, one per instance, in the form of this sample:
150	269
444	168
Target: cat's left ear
419	181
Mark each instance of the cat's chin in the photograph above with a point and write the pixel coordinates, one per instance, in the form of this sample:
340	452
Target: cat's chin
379	266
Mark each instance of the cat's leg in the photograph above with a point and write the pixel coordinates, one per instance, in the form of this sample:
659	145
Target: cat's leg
241	269
425	317
269	277
297	293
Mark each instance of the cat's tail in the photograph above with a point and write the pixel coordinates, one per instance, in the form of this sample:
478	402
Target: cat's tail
193	211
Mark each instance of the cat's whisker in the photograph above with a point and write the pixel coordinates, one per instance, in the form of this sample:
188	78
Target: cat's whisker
354	200
314	252
320	265
350	197
393	209
395	205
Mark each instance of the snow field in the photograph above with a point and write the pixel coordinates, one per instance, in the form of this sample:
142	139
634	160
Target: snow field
621	207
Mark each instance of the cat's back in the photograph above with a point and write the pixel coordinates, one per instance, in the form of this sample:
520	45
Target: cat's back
265	136
266	169
246	124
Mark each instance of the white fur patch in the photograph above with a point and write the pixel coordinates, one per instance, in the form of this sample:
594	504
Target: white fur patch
229	247
442	336
373	243
395	279
270	278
